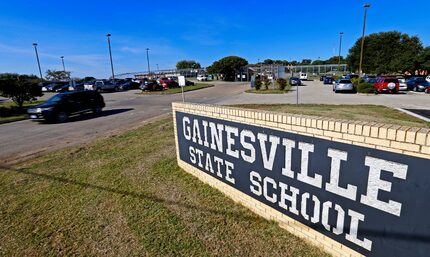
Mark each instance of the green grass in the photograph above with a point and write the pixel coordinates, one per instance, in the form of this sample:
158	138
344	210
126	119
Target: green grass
126	196
370	113
177	90
10	112
267	91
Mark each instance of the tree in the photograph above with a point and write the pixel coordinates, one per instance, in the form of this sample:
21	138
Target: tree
386	52
20	89
228	66
57	75
424	59
86	79
306	62
268	61
188	64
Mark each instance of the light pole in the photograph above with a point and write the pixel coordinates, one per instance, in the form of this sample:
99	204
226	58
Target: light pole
158	70
62	60
38	62
147	59
362	39
110	55
340	51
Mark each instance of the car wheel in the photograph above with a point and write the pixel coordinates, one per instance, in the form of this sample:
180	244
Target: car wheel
415	89
61	117
97	109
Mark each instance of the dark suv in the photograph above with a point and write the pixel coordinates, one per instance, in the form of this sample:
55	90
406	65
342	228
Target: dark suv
61	106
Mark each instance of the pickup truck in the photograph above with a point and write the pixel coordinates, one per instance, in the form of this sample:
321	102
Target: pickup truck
105	85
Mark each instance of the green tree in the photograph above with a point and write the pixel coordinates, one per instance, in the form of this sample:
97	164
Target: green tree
57	75
228	66
306	62
188	64
20	89
386	52
424	59
268	61
86	79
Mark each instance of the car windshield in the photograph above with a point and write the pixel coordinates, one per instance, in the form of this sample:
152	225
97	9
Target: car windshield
56	98
390	80
345	81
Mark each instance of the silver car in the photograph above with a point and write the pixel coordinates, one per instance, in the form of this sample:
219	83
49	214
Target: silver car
343	85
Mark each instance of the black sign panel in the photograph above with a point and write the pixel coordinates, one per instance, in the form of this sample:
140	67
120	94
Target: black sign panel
372	201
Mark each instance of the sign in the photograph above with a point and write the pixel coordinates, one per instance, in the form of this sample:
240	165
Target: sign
181	81
373	201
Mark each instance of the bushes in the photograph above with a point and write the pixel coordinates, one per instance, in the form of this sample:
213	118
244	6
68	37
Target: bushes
282	83
266	83
366	88
258	84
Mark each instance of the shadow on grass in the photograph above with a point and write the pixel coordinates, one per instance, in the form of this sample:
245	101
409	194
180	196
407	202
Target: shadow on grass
139	195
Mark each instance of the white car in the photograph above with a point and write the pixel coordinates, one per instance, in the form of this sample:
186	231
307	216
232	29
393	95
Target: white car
303	76
342	85
202	78
402	84
428	78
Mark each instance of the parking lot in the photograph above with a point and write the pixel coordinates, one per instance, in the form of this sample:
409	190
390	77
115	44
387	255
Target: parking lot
314	92
127	109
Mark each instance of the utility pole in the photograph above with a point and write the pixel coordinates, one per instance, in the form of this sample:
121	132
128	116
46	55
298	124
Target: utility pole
62	60
362	39
38	62
147	59
110	55
340	50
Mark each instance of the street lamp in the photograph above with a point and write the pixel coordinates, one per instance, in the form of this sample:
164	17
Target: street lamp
38	62
110	55
362	38
62	60
147	59
340	50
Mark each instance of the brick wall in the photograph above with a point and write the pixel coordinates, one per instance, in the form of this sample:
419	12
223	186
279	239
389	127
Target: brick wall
392	138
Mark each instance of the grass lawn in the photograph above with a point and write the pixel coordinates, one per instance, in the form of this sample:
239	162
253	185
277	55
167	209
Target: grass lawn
9	111
268	91
371	113
177	90
125	196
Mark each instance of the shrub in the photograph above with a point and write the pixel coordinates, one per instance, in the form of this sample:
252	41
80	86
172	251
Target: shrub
266	83
282	83
365	88
257	84
357	81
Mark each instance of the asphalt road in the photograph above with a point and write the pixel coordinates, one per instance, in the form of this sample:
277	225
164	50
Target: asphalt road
23	139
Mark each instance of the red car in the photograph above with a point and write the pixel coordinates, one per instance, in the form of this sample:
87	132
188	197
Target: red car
168	83
387	84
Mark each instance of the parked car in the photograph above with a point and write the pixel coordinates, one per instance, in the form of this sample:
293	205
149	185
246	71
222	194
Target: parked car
89	85
328	80
105	85
369	78
428	78
402	84
417	84
151	85
294	81
387	85
322	77
168	83
202	77
342	85
61	106
303	76
189	83
53	86
350	76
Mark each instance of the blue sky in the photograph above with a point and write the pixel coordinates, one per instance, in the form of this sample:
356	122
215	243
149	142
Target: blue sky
201	30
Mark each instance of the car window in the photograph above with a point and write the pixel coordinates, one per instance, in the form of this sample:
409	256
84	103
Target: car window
391	80
345	81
